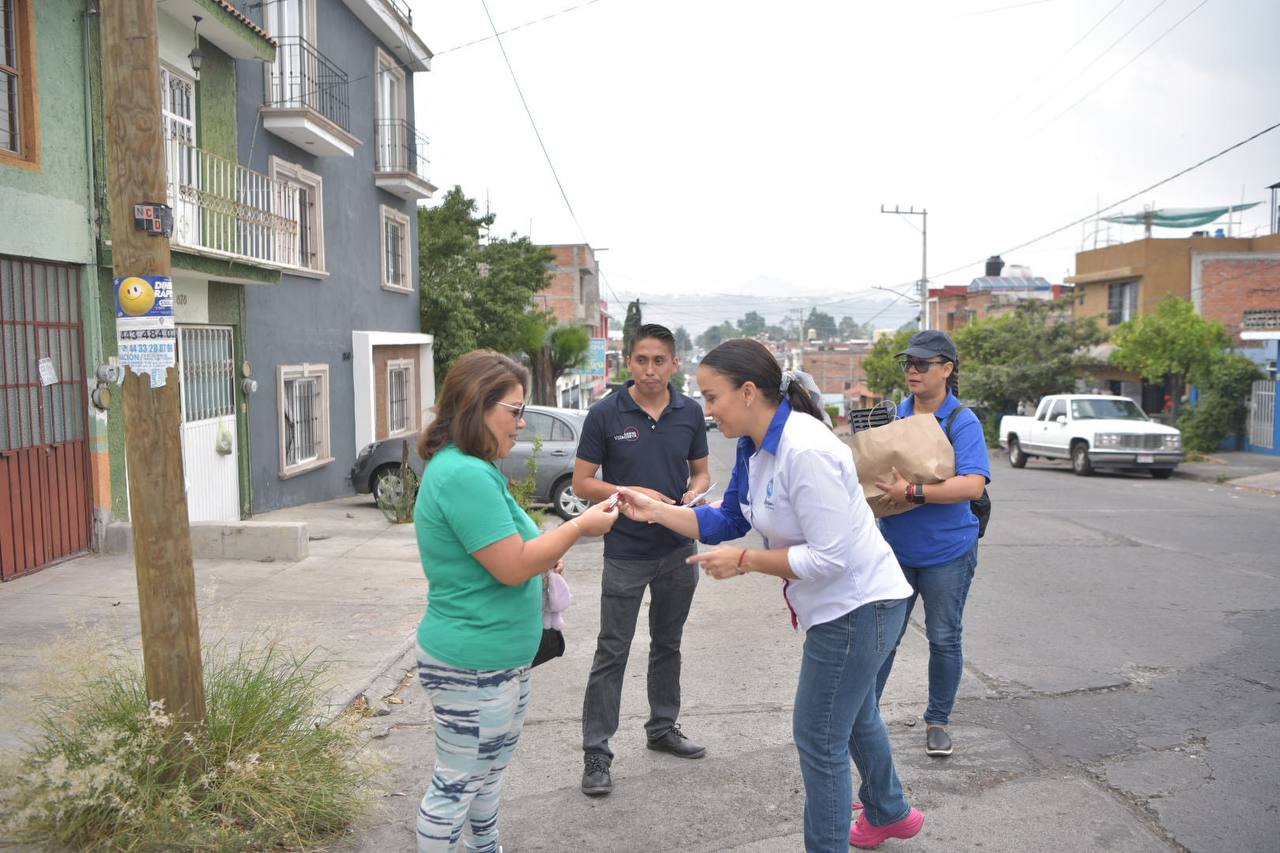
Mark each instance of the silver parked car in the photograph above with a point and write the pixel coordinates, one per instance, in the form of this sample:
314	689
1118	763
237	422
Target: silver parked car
377	466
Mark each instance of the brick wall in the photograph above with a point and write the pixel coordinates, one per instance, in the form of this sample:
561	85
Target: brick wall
1229	288
382	355
834	369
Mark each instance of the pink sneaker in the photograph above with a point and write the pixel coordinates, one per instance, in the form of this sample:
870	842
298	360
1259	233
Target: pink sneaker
864	836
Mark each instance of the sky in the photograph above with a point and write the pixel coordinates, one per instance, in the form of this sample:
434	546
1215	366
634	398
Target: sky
737	154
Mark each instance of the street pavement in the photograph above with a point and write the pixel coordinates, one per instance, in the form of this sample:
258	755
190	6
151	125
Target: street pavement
1120	691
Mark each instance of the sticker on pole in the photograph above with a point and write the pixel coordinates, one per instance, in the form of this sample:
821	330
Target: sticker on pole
146	337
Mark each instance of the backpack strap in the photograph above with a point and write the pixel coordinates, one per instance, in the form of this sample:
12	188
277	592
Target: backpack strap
951	419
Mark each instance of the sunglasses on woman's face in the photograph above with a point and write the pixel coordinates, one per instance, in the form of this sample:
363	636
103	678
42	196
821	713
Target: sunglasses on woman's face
519	410
918	365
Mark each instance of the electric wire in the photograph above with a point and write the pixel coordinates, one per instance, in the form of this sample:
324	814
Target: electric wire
1097	213
1053	65
528	23
1113	74
1096	59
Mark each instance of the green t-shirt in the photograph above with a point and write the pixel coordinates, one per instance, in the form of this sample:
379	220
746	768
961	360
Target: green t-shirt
473	620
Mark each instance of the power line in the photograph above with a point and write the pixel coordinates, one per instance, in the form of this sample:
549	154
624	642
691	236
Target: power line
581	231
1049	68
1137	56
1124	200
528	23
1096	59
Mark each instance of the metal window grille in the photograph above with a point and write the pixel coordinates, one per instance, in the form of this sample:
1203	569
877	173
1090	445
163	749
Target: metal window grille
208	372
10	135
302	407
1265	318
398	399
306	223
395	252
881	413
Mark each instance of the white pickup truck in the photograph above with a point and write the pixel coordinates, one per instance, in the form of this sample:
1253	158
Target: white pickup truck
1093	431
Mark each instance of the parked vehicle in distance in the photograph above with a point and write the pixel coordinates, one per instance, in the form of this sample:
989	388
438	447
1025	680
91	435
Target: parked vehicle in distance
377	466
711	422
1094	431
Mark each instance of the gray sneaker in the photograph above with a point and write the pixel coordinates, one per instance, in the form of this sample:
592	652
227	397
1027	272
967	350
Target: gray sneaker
937	741
596	781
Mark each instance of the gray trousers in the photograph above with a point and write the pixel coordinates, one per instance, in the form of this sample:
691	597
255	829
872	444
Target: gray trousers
671	584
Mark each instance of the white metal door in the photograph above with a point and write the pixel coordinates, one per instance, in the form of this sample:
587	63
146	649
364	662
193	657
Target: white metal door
209	454
1262	414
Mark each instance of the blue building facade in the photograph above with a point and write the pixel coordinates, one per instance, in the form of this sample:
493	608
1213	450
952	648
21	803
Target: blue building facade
335	348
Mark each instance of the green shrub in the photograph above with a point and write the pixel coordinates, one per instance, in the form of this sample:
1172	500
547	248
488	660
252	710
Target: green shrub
525	490
109	772
1223	404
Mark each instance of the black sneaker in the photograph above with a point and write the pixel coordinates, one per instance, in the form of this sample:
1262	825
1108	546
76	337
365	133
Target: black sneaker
677	743
937	741
596	781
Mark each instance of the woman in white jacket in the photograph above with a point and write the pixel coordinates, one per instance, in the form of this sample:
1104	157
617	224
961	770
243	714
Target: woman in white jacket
795	483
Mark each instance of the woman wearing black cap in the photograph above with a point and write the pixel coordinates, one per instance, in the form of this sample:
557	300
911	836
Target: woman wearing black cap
937	542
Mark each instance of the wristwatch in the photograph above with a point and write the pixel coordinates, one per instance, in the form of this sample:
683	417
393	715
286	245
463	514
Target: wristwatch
917	493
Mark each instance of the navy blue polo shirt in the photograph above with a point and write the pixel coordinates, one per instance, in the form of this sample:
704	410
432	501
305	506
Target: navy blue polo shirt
635	450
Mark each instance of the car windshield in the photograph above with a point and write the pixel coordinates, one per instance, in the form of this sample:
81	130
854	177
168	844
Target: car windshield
1110	409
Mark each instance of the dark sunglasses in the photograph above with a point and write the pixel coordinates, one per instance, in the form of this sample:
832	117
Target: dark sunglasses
918	365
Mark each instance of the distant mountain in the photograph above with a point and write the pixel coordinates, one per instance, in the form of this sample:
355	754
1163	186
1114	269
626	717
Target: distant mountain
771	298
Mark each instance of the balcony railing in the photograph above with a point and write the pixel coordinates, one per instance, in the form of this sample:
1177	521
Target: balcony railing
302	78
401	8
400	148
223	209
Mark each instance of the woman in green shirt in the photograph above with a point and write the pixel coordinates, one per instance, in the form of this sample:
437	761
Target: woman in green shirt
484	560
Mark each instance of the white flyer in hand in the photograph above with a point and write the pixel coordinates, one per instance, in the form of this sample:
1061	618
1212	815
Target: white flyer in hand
693	501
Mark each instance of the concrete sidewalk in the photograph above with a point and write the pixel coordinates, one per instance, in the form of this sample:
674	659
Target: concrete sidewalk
354	603
1235	468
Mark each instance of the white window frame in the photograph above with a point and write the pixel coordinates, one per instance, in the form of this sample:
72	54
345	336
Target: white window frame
324	454
390	213
385	63
313	184
410	425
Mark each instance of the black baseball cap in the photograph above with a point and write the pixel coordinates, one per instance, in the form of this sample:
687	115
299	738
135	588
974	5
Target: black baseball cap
929	343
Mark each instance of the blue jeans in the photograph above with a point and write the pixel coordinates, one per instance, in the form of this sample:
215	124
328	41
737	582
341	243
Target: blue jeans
837	716
944	590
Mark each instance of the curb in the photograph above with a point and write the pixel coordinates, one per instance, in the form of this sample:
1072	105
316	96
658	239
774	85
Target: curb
344	700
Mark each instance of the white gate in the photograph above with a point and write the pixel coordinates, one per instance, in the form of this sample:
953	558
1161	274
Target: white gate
1262	414
209	453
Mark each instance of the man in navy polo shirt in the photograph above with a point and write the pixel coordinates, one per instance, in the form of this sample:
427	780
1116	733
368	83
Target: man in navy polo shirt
653	438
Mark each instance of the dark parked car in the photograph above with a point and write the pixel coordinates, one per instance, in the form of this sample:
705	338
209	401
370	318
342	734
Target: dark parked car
377	467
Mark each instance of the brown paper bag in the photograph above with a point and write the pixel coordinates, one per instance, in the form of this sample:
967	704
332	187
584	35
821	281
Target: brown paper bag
916	446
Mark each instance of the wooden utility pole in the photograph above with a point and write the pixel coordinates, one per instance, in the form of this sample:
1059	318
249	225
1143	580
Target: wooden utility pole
152	419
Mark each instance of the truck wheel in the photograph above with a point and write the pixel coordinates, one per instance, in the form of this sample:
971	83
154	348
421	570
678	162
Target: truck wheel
1017	458
1162	473
1080	459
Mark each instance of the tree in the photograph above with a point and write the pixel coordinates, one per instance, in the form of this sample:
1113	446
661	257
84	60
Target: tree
752	324
473	295
630	326
881	364
715	335
551	351
1035	350
822	324
449	262
776	333
684	343
1175	341
850	329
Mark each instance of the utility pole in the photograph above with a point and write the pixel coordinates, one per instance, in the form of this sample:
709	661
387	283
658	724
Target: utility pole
153	451
924	257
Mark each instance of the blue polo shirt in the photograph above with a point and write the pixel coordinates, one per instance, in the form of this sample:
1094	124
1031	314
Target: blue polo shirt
933	534
633	449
